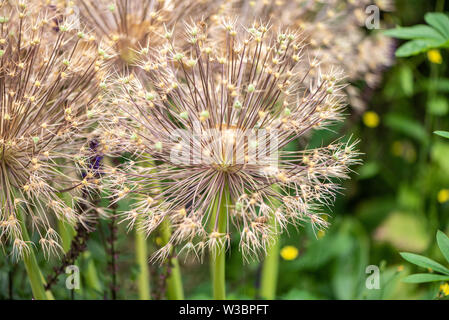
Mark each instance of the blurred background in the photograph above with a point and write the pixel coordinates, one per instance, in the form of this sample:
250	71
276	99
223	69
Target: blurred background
395	202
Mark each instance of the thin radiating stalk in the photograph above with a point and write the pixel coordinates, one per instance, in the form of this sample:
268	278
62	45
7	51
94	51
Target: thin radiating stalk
32	268
143	278
270	270
218	258
175	290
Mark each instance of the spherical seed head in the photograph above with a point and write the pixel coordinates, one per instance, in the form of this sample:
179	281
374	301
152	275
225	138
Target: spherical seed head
128	28
225	156
48	77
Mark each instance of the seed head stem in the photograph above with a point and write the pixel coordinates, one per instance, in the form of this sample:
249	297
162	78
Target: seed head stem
218	255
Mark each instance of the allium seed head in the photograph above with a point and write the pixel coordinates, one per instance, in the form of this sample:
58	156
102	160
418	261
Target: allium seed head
335	30
48	85
127	27
197	148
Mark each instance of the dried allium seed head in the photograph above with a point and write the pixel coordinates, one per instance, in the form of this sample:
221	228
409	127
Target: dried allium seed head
214	123
335	30
48	83
126	26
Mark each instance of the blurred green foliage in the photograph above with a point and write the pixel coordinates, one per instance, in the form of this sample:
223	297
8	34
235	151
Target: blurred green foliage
397	200
431	265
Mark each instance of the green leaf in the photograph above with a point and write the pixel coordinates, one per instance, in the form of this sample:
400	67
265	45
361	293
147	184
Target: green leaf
425	277
424	262
439	21
444	134
415	47
420	31
438	106
369	170
443	244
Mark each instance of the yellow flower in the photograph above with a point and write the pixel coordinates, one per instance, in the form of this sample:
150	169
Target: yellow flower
289	253
397	148
321	234
443	196
434	56
371	119
400	268
444	289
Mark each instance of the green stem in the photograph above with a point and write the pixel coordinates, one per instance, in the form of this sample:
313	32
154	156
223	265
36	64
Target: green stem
35	276
143	279
218	258
426	149
92	280
270	269
175	290
66	231
218	275
141	247
439	6
32	268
